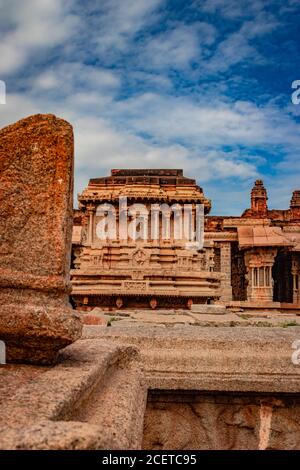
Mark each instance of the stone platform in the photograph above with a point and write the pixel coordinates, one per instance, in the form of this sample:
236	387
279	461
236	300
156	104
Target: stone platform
136	386
175	318
94	398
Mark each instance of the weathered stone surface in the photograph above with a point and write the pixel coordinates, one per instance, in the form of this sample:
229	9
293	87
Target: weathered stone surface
94	398
240	359
221	422
95	319
36	191
208	388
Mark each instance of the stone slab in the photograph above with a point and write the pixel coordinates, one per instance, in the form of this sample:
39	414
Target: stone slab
94	398
228	359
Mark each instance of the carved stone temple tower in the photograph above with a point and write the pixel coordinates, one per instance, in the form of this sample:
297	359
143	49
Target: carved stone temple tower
157	271
250	261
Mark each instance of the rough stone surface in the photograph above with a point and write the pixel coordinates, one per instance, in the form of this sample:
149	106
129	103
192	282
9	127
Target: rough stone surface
94	398
36	191
174	318
221	422
208	388
240	359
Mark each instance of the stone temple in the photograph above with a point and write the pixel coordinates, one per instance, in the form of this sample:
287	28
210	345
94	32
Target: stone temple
154	378
251	261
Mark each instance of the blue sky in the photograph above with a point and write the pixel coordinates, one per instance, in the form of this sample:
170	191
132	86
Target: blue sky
203	85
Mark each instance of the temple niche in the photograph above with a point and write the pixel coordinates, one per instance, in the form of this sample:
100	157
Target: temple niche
131	249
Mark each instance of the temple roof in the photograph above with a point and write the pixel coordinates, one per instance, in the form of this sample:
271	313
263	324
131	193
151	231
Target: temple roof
161	185
260	236
145	176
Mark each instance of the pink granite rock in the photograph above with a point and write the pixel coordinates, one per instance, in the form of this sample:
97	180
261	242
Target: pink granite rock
36	191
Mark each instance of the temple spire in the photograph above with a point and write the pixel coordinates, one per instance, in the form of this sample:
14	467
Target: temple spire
259	207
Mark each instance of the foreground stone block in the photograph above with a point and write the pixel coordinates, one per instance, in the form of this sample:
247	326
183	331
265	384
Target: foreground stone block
93	398
216	388
36	191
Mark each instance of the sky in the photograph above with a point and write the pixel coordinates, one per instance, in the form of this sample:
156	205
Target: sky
202	85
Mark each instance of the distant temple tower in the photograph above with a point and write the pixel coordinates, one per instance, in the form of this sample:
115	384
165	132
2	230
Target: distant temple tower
259	207
295	205
155	269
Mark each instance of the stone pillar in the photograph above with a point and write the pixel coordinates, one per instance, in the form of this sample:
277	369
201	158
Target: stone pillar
155	224
166	226
259	263
36	200
90	233
225	264
296	279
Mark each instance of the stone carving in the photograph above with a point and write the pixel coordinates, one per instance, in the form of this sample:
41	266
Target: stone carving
219	422
139	257
135	285
36	192
97	260
137	274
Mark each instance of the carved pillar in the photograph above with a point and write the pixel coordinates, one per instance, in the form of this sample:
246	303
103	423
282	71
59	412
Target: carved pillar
296	277
122	225
155	223
90	211
259	263
166	226
177	224
225	265
117	225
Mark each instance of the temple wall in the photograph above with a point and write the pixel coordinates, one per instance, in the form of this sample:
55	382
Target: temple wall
216	421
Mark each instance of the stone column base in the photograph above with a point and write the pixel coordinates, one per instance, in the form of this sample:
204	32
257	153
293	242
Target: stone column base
35	327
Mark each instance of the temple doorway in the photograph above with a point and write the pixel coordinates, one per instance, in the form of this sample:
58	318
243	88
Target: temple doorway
282	276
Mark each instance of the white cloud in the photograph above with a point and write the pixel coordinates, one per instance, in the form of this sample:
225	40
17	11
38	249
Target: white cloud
29	26
159	127
74	76
177	47
119	22
232	9
206	122
239	47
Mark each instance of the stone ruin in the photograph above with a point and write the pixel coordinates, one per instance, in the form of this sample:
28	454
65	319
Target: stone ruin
127	386
36	191
251	262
